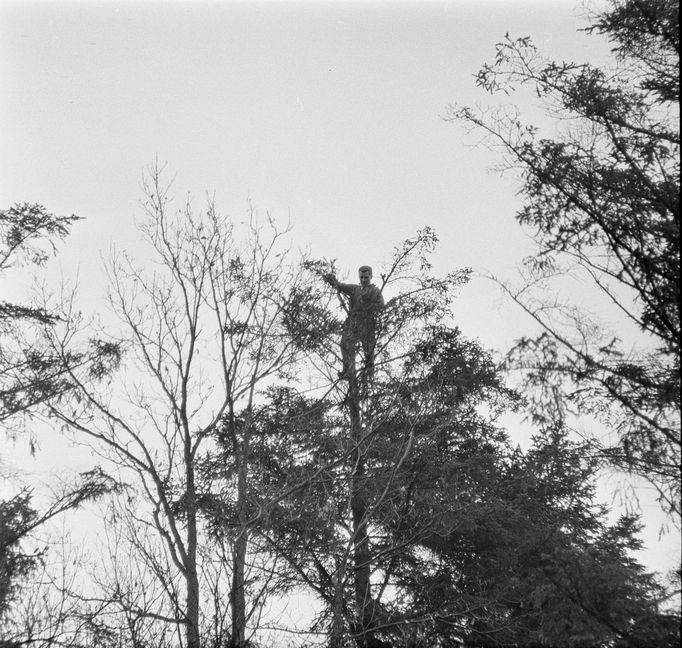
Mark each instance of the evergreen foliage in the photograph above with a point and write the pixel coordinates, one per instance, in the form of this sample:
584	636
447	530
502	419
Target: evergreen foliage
462	537
31	375
601	199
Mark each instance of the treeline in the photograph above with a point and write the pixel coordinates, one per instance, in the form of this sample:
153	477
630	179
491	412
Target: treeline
237	470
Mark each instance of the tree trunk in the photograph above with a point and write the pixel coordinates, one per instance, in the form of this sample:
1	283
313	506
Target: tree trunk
193	638
237	593
361	555
191	576
337	630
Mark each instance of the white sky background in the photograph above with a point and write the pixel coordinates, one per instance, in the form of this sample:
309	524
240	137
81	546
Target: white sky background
325	114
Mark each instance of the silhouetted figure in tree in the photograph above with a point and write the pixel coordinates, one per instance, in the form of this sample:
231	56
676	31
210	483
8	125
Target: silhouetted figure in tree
366	301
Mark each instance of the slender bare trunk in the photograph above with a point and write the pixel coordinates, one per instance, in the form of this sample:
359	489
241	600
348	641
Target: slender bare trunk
191	575
361	557
238	595
237	591
337	630
193	638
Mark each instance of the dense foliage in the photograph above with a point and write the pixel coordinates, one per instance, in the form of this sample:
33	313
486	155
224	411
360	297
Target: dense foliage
425	526
601	199
394	497
27	234
30	376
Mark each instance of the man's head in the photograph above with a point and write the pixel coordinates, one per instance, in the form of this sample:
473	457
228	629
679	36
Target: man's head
365	274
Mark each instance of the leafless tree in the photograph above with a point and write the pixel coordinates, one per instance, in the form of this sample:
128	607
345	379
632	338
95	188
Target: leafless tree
202	328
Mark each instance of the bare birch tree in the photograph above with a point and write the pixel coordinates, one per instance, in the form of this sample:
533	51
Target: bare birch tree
202	329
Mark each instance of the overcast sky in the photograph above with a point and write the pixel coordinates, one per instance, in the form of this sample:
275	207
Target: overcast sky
327	114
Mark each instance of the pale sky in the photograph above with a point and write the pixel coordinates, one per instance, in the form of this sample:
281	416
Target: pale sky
327	114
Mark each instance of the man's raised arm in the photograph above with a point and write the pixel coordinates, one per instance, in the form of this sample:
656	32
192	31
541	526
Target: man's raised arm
331	279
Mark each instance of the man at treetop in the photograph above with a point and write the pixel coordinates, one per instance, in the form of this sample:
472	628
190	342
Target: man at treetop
366	301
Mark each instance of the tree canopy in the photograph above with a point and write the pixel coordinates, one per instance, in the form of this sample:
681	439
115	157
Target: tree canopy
601	199
246	469
31	376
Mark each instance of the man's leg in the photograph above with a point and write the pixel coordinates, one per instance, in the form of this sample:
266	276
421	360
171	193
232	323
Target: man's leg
348	343
368	344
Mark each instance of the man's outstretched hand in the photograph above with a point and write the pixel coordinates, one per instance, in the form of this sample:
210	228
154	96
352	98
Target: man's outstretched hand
329	278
